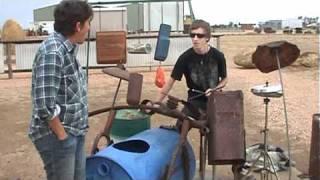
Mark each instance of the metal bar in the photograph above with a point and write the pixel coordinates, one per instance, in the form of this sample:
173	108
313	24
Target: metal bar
132	1
25	52
88	52
218	43
318	68
285	112
191	10
177	15
199	124
205	157
149	19
265	131
183	138
116	94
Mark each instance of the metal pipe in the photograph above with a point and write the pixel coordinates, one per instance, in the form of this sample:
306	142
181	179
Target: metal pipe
285	111
318	70
191	10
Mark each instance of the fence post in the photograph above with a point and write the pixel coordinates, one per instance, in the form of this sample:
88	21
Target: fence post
314	163
217	36
9	60
1	58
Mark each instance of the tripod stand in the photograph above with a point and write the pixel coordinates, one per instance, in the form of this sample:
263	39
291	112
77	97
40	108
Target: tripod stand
268	168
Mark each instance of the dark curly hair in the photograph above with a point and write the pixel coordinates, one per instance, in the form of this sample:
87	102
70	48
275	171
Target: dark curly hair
199	23
68	12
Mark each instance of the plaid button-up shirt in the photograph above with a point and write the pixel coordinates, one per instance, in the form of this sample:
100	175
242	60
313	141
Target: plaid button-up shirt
58	82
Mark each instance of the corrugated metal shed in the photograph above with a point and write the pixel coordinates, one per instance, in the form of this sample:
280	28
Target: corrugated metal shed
274	24
148	16
163	12
25	53
43	14
135	17
108	19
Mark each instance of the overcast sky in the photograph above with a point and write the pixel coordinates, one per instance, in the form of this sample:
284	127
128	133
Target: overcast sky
214	11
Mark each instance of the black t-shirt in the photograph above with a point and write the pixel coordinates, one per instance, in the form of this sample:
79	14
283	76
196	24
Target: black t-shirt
201	71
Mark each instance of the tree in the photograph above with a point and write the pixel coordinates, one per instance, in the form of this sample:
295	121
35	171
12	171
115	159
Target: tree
230	24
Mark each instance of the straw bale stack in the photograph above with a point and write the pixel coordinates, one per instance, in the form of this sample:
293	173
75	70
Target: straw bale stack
12	31
308	59
244	59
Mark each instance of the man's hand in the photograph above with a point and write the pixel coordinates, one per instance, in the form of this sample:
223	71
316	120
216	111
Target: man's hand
62	136
57	128
209	91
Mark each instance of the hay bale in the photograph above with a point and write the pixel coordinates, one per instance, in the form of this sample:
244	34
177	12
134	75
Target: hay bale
244	58
308	59
298	62
12	31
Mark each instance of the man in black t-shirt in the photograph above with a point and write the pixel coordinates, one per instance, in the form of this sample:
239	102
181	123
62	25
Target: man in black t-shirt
203	67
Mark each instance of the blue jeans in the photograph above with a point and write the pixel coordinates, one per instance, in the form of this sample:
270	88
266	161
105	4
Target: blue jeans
63	160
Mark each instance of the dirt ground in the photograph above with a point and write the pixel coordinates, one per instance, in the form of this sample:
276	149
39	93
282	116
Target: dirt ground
19	159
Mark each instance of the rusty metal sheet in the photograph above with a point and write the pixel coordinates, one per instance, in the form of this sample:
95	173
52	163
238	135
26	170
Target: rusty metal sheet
134	88
314	162
226	141
117	72
265	55
111	47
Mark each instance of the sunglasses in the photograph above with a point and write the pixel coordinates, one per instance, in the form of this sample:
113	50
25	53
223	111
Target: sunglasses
192	35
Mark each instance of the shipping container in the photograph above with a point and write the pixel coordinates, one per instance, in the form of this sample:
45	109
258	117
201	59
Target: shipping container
108	19
147	17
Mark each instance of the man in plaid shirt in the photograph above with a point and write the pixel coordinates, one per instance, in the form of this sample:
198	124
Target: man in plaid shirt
59	94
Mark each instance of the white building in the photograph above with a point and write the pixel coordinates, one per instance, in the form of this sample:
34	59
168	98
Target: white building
292	23
104	19
44	26
135	17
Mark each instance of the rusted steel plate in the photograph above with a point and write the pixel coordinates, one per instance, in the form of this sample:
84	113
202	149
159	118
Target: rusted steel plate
314	163
226	139
117	72
111	47
265	55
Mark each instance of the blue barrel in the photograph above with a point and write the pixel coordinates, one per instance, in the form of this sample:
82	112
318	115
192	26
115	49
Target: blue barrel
143	156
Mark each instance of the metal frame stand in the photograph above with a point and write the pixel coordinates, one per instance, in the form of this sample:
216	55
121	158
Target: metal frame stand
285	111
268	167
275	51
